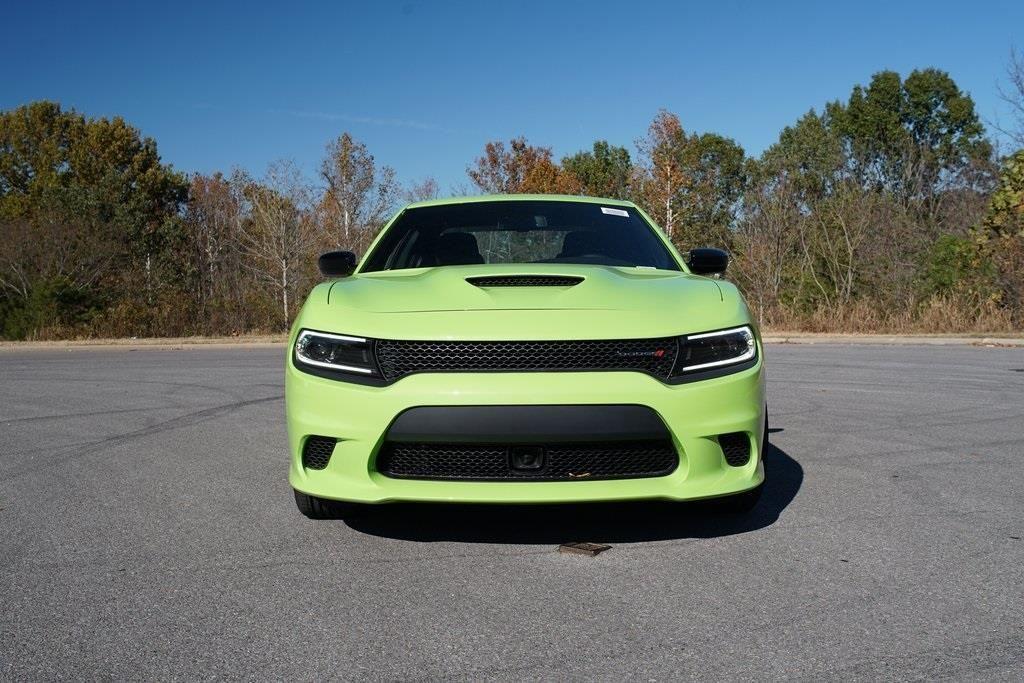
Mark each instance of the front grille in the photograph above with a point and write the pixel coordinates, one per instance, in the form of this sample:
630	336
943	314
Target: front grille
735	448
399	358
316	452
561	462
524	281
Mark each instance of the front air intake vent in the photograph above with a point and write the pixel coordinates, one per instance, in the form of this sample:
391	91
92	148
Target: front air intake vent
585	461
735	448
316	452
524	281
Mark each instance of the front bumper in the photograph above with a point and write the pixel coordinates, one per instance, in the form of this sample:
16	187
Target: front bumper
359	416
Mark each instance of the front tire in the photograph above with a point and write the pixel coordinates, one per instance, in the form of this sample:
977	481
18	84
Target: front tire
321	508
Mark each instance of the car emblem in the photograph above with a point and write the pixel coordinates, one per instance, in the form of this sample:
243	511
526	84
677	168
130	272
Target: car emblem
659	353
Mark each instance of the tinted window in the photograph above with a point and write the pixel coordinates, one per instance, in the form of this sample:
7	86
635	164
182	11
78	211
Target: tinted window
519	232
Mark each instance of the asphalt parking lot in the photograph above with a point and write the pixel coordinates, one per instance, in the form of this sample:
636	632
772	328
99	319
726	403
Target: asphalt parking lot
148	532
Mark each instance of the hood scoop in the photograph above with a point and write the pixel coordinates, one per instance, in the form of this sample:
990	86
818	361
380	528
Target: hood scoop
524	280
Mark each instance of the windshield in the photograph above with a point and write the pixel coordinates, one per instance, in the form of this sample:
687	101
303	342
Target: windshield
519	232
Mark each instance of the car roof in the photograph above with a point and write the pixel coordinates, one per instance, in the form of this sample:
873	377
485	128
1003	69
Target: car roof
520	198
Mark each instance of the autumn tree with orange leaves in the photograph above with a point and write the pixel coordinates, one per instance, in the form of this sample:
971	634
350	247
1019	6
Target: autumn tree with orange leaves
520	168
661	173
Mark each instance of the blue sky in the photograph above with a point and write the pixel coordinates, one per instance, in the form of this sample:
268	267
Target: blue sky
426	84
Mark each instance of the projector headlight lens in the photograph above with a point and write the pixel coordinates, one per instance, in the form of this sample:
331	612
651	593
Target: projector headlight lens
711	350
337	352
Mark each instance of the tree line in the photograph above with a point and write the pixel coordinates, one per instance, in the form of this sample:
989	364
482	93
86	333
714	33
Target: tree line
892	210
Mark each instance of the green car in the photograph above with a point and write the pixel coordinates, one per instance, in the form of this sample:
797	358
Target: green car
524	349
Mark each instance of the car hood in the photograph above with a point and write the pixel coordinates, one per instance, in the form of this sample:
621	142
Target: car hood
442	303
452	289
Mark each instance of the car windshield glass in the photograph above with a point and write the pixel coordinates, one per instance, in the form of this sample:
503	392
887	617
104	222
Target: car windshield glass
519	232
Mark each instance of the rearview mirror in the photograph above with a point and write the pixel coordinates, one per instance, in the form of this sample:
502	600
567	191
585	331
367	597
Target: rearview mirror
707	261
337	263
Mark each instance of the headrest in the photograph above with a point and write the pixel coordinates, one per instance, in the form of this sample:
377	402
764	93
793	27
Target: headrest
582	242
457	249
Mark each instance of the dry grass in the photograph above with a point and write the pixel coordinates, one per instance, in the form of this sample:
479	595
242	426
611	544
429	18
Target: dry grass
149	342
939	315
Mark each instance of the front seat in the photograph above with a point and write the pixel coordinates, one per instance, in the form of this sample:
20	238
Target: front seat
457	249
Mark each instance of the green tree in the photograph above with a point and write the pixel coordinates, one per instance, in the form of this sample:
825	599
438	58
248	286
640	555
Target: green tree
915	138
690	183
1001	232
871	199
1005	216
809	230
955	265
96	183
808	159
716	175
605	171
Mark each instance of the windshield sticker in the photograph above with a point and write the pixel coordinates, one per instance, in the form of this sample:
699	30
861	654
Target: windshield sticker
615	212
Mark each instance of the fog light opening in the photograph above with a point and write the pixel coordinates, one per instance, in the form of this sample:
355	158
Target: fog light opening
735	448
317	451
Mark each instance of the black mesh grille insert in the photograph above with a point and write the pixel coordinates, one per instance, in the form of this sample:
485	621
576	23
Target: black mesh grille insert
563	461
525	281
735	448
399	358
316	452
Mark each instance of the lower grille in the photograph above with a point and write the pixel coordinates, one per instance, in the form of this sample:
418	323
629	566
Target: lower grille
316	452
398	358
735	448
561	462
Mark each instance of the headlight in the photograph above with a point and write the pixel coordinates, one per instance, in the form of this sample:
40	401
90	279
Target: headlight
336	352
712	350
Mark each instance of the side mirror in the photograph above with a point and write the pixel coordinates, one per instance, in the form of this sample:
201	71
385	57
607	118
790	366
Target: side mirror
707	261
337	263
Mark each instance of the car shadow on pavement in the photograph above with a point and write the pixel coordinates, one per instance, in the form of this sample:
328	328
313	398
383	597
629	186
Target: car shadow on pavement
596	522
